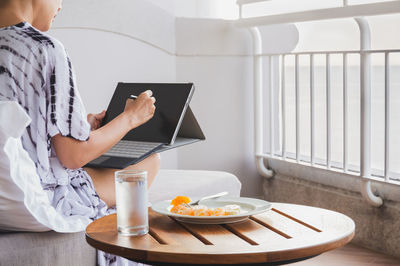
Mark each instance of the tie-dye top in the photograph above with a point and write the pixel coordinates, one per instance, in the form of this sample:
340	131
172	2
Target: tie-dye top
35	71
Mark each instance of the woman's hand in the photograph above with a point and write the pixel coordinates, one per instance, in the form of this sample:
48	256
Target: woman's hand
74	154
141	109
95	119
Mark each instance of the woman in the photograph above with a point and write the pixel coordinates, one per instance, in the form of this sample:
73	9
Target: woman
36	72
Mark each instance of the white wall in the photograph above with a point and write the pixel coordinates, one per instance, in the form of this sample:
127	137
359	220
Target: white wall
127	46
222	9
216	56
103	59
135	18
141	42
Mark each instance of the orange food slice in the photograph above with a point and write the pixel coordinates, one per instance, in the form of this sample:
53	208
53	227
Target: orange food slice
179	200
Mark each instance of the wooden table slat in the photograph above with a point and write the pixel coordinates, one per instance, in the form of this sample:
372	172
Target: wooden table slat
297	220
106	224
322	219
105	232
256	232
303	213
284	224
170	232
215	234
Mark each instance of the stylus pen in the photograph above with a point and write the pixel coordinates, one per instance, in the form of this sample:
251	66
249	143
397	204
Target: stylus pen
133	96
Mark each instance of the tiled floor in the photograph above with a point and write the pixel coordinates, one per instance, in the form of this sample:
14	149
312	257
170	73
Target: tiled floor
350	255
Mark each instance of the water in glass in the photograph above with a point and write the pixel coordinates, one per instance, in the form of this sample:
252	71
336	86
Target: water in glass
131	199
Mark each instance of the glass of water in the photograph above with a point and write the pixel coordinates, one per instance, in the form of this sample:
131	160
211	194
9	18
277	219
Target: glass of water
131	198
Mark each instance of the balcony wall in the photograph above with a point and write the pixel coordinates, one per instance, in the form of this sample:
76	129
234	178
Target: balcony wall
140	42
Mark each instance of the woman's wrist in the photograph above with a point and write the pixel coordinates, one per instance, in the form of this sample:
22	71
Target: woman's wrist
129	120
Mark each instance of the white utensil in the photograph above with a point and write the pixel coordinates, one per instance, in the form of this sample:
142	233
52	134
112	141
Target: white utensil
208	197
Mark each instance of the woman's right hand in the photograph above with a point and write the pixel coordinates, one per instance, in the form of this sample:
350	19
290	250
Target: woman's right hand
141	109
75	154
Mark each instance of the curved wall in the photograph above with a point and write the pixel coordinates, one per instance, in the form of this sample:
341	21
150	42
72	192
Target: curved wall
113	41
136	41
102	59
217	57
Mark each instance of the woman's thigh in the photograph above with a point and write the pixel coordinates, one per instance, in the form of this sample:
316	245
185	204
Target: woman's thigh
103	178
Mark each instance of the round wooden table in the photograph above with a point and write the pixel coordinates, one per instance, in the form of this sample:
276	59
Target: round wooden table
284	234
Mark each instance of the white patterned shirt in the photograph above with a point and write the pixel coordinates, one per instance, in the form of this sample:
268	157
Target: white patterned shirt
36	71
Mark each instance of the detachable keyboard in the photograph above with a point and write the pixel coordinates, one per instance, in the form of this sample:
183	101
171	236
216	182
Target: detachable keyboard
132	149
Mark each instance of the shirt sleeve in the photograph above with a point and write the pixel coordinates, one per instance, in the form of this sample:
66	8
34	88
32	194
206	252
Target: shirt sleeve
66	114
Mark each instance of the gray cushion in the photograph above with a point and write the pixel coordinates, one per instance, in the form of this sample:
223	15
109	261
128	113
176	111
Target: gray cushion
45	248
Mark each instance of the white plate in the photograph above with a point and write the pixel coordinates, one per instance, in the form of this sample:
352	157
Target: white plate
248	206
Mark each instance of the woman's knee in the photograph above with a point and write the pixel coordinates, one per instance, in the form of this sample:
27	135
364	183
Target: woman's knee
155	160
151	164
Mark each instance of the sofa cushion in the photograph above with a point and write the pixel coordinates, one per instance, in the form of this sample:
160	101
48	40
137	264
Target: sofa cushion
45	249
24	205
192	183
14	213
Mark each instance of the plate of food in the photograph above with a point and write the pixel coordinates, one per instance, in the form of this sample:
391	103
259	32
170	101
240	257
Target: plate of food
222	210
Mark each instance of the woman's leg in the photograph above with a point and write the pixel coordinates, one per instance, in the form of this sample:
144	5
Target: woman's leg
103	178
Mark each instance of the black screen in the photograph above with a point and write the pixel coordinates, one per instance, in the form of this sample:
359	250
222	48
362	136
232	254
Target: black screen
170	102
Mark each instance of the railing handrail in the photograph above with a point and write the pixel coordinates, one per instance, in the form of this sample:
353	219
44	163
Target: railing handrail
346	11
245	2
324	52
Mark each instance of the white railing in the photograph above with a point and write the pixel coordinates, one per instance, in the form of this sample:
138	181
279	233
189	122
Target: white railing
365	98
345	11
282	152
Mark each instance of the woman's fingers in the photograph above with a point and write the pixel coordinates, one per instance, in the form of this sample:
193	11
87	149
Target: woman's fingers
101	115
90	118
141	109
96	119
92	121
146	94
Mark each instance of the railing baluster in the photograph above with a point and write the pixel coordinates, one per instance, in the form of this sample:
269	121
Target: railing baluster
271	106
387	116
365	77
283	108
365	167
328	111
345	116
312	110
297	87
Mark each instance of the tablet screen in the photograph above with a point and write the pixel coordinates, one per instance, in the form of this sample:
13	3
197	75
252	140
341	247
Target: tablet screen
171	99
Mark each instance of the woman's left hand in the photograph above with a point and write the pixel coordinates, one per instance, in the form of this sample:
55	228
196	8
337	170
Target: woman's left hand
95	119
